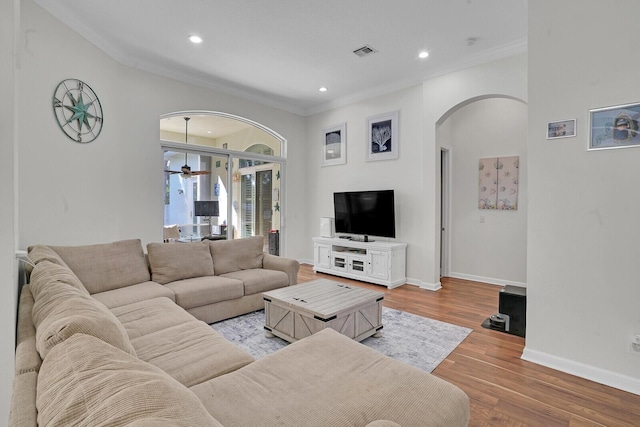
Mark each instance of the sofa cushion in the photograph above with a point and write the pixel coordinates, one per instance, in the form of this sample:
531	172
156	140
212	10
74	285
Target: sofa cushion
328	379
107	266
134	293
258	280
191	352
39	253
205	290
61	311
87	382
48	273
238	254
145	317
23	400
179	261
27	358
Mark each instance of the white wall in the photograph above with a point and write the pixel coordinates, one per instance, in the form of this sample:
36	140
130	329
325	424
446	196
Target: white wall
442	96
112	188
401	175
8	142
415	175
486	245
583	269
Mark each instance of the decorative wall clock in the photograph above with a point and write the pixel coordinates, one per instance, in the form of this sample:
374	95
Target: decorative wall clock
77	110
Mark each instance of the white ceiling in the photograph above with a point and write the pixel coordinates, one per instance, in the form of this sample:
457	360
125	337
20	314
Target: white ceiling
280	52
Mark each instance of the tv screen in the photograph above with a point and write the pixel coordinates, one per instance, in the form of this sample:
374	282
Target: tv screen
206	208
371	213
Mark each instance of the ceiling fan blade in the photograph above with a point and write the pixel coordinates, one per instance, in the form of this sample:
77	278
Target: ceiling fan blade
172	172
200	173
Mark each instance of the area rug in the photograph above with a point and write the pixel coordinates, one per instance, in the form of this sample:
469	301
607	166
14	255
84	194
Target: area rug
415	340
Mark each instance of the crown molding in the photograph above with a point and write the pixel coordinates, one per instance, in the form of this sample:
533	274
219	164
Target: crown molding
197	79
483	57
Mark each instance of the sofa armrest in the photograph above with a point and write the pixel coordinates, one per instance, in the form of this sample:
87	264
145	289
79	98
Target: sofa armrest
289	266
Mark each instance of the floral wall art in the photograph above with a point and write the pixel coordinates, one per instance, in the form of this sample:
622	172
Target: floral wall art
498	187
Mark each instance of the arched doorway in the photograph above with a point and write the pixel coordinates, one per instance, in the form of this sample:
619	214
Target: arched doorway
481	245
235	164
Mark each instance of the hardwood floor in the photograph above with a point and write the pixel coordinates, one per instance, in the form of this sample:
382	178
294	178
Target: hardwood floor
503	389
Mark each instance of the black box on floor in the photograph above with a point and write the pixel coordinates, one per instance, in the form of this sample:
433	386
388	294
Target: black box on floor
513	303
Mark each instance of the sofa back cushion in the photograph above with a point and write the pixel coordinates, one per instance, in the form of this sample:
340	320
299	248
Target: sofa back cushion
87	382
46	273
39	253
107	266
178	261
238	254
61	311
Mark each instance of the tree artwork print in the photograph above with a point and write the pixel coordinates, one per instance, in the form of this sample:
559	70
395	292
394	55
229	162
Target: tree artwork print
381	136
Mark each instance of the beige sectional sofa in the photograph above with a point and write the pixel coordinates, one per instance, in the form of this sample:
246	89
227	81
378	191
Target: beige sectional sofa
110	336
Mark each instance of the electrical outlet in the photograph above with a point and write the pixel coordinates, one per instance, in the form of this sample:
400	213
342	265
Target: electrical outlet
635	344
481	219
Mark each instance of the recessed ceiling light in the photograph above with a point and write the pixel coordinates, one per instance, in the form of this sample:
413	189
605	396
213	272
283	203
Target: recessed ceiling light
195	39
423	54
323	89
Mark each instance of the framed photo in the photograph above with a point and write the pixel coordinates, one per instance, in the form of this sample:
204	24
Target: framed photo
382	137
614	127
334	145
561	129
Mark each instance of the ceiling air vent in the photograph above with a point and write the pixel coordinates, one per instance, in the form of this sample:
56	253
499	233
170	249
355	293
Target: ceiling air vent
364	51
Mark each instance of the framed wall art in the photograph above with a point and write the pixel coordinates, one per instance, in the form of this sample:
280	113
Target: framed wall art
614	127
561	129
334	145
382	137
499	183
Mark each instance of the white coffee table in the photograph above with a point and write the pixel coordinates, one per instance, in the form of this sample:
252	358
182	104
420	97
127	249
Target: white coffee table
295	312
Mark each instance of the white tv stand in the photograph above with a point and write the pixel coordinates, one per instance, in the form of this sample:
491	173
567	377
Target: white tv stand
382	263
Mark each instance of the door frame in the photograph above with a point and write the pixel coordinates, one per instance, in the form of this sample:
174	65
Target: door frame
445	210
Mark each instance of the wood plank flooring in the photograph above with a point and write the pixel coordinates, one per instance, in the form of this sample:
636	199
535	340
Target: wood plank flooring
503	389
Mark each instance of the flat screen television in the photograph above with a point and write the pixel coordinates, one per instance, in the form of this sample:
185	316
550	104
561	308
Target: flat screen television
206	208
368	213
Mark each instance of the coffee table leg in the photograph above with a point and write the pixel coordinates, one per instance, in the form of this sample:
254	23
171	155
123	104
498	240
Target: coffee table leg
267	332
377	334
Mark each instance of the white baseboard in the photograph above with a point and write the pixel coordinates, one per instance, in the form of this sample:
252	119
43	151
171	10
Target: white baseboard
424	285
602	376
489	280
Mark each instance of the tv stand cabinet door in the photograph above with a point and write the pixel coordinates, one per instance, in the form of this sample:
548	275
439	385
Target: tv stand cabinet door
379	263
322	255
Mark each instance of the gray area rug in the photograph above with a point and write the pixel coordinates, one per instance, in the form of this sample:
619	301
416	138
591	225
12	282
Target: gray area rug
415	340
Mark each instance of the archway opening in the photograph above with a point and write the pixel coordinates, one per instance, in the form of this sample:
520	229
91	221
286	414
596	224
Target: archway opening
479	244
223	178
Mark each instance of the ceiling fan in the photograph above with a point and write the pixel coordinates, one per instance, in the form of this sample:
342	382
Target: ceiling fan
185	171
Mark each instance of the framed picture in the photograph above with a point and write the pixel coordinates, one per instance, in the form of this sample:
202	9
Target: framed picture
614	127
382	137
561	129
334	145
499	183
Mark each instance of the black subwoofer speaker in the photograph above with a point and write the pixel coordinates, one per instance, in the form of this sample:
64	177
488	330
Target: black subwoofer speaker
513	303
